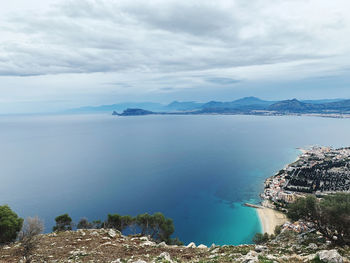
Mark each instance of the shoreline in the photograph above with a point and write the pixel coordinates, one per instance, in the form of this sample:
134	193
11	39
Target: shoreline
270	218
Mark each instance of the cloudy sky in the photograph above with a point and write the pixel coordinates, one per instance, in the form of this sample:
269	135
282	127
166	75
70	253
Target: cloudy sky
58	54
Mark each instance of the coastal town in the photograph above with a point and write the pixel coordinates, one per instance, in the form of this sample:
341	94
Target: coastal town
318	170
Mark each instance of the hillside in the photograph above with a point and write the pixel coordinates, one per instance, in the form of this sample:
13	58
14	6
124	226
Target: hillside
107	245
294	105
297	106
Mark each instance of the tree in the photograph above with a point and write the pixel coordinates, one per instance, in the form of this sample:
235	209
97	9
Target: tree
331	215
157	226
63	223
97	224
119	222
303	208
278	230
127	221
335	216
84	224
260	238
114	221
166	227
10	224
29	235
144	221
176	241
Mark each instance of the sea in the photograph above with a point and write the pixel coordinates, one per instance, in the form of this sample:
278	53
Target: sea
198	170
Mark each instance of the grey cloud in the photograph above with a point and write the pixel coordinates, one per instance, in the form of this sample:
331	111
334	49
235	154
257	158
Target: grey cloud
167	89
192	17
155	37
223	81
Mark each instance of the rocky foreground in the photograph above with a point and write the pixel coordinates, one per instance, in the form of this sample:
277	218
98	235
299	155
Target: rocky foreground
107	245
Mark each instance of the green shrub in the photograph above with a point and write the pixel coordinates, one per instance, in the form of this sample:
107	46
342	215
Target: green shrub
176	241
84	224
10	224
278	230
157	226
260	238
63	223
329	214
119	222
263	259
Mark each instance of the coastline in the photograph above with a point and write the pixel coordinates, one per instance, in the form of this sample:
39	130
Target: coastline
269	219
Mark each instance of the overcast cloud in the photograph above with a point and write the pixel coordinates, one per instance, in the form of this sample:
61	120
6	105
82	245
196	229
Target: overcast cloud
58	54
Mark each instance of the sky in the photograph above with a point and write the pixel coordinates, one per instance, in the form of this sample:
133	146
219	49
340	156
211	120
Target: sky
60	54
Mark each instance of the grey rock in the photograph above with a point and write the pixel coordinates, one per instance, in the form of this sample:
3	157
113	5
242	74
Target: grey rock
271	257
202	246
148	243
144	238
330	256
215	250
162	244
112	233
78	252
251	257
312	246
81	232
191	245
259	248
284	258
309	258
166	256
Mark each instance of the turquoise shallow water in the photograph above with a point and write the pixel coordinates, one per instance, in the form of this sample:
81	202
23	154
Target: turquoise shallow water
198	170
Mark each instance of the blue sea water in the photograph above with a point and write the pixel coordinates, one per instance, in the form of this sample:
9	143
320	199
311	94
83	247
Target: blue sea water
198	170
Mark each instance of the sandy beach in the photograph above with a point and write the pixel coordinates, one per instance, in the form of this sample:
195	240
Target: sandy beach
270	218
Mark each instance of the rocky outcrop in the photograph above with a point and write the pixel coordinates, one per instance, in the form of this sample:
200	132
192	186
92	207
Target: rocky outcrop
330	256
110	246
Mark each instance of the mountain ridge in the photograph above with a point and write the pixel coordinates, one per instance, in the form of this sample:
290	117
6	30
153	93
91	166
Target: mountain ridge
246	103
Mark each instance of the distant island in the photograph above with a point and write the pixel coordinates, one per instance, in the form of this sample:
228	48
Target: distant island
133	112
337	108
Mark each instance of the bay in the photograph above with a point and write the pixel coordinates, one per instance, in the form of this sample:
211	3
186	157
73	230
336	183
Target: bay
197	170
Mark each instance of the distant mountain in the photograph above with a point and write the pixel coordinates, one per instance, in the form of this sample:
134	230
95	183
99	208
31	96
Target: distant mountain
133	112
183	106
297	106
321	101
343	105
252	101
247	105
151	106
293	105
244	103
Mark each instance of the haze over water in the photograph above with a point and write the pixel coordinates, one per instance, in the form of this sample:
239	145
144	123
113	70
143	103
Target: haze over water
197	170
